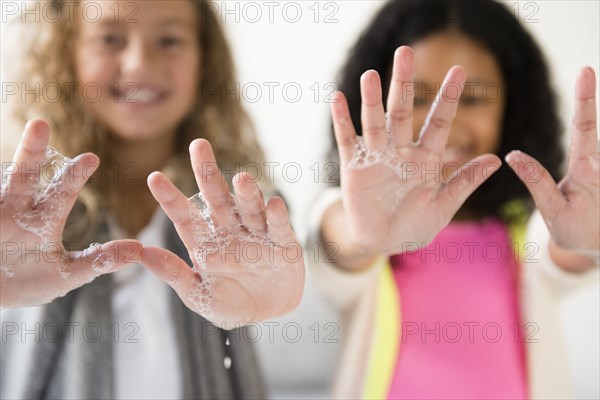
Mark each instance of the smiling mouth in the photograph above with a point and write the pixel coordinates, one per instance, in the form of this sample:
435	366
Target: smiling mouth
138	95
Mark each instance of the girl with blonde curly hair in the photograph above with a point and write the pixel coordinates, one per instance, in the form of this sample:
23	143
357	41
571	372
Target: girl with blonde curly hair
125	92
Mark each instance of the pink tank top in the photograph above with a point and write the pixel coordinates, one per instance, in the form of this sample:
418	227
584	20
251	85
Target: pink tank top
461	330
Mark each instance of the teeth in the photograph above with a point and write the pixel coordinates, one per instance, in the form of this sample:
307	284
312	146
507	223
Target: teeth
143	96
138	95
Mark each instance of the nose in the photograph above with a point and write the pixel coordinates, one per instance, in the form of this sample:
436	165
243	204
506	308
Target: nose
136	58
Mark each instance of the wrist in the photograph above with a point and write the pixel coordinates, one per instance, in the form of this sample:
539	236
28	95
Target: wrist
570	260
335	230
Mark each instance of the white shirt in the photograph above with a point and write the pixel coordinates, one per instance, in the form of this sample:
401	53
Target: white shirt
146	358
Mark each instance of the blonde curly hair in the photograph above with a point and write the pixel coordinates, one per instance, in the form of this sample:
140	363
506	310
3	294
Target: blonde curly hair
222	121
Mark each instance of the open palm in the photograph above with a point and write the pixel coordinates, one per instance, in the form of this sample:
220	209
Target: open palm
248	265
394	191
39	189
571	209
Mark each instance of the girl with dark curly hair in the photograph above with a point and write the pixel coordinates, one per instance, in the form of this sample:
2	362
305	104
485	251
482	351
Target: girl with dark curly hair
431	310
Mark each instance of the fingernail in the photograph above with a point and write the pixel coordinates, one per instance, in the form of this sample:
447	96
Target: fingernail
372	78
513	156
461	74
407	61
587	73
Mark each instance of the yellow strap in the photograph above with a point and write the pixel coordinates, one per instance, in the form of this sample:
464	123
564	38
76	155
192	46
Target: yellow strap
516	211
382	359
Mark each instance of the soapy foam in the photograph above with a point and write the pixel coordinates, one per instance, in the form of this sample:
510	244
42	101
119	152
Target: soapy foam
48	200
208	229
9	270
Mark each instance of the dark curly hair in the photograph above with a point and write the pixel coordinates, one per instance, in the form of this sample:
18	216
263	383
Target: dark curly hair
530	122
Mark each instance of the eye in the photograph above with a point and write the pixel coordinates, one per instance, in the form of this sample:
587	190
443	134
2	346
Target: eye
421	100
471	100
424	94
170	41
111	40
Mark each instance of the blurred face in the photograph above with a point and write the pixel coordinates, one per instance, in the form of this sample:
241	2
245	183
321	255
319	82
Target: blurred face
144	57
477	126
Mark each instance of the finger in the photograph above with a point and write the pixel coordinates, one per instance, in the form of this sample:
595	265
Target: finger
435	132
345	135
177	208
466	180
212	183
278	221
251	202
372	114
169	268
546	194
73	178
85	266
401	97
28	157
585	140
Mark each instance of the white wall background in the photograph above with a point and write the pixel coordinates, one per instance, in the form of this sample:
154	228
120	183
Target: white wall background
309	52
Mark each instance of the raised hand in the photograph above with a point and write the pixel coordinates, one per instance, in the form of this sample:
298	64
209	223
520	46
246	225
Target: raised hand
570	209
39	189
248	265
394	190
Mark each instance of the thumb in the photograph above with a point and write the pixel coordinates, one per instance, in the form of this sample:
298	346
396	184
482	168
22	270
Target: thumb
100	259
547	196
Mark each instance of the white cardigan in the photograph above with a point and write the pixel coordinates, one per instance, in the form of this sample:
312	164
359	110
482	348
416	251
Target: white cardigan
543	286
